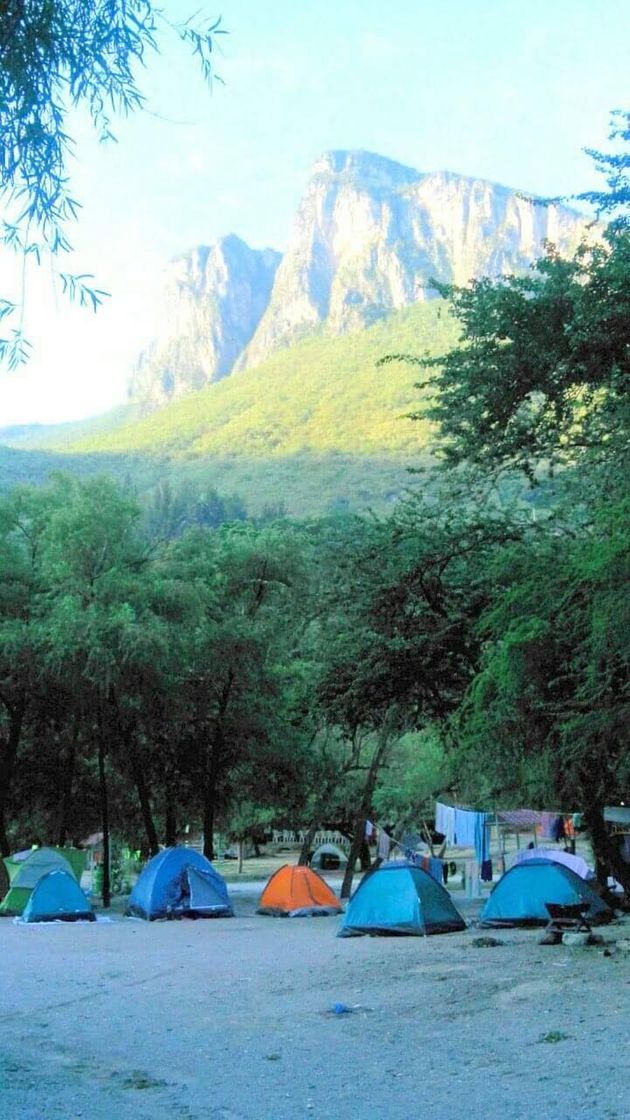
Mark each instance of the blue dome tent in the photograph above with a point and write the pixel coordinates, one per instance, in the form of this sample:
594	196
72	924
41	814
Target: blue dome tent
57	897
520	896
400	898
180	882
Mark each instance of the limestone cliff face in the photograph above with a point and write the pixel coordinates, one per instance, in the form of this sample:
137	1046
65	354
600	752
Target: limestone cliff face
369	233
212	301
368	236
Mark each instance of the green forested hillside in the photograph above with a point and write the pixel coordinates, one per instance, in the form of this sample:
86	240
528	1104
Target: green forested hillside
324	395
318	426
56	436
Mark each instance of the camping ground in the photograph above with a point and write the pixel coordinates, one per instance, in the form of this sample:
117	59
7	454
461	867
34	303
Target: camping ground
234	1019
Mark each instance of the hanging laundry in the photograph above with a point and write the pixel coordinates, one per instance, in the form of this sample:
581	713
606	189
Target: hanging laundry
557	829
482	838
546	826
445	822
465	828
383	845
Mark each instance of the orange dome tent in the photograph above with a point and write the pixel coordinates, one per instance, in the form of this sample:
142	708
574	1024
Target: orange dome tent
297	892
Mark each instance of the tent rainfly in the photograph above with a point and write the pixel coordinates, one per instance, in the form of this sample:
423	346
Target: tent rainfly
521	895
57	897
328	857
400	898
555	855
180	882
26	874
297	892
4	879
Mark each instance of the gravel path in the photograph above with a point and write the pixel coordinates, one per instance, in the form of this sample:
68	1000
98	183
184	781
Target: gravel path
232	1020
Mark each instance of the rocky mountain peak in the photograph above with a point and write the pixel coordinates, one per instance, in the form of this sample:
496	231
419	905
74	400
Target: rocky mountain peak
368	235
359	168
213	298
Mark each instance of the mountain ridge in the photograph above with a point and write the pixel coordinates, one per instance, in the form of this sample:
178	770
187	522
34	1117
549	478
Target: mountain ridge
368	235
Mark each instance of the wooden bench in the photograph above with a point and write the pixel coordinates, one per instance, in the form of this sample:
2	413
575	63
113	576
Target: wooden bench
567	918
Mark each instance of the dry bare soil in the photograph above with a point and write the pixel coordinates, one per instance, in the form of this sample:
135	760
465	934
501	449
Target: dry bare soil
233	1020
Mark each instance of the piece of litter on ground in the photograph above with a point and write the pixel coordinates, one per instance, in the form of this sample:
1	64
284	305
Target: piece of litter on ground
340	1009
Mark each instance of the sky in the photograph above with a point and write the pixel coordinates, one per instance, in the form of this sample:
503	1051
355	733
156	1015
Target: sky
498	89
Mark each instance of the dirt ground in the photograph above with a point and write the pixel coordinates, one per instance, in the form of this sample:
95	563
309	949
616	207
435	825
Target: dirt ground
233	1019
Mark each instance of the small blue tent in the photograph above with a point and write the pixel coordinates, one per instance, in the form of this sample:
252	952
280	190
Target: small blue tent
520	895
57	897
180	882
400	898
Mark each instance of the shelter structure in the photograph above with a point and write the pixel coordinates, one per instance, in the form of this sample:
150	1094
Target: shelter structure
177	883
400	898
26	874
521	895
76	857
297	892
4	879
57	897
555	855
328	857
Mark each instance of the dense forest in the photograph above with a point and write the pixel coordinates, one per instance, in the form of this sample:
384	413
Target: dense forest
173	663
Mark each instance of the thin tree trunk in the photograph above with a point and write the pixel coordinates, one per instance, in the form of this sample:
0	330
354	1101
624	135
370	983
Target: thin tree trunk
213	762
66	794
306	846
209	800
139	780
365	806
170	823
102	782
8	758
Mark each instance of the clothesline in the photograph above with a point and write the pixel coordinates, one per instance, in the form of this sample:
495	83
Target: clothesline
466	828
470	828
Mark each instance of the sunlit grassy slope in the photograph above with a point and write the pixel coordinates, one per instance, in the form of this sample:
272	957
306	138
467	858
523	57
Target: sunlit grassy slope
316	427
322	396
55	436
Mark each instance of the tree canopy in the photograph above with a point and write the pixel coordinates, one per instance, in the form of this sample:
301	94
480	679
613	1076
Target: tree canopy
56	55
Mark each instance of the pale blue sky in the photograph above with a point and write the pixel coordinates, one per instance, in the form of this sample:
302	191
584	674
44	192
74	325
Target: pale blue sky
501	89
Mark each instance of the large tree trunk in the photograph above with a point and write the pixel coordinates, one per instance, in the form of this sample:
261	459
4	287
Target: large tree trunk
608	859
102	786
358	838
8	756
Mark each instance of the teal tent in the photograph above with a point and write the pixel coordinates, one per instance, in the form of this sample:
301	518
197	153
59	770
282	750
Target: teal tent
25	875
328	857
400	898
4	879
520	896
180	882
57	897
